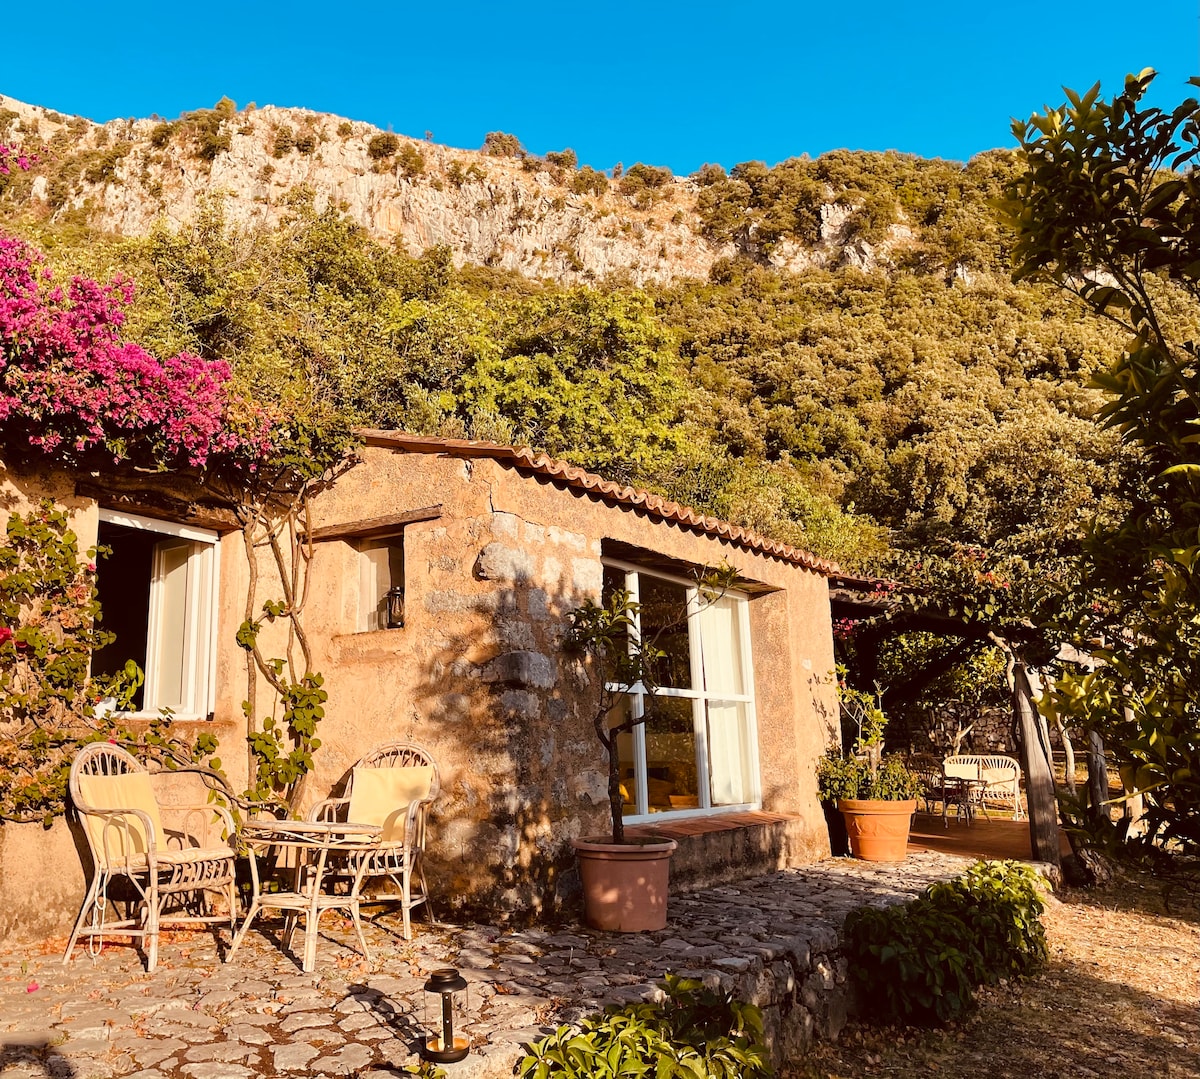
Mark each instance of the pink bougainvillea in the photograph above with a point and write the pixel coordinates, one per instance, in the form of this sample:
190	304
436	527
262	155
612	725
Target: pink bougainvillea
70	384
11	157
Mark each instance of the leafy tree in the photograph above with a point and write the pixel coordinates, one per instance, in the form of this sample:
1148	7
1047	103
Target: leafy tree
1108	208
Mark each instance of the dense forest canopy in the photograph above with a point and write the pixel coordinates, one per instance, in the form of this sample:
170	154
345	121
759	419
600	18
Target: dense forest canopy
917	401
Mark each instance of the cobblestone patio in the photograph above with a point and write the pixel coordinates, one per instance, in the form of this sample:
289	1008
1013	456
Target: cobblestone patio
773	939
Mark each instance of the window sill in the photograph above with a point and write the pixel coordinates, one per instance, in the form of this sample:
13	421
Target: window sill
679	827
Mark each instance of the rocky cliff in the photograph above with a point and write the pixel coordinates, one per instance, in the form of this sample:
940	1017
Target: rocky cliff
542	218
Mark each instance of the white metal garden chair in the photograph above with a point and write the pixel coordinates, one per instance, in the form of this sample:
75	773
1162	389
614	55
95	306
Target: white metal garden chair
123	821
392	788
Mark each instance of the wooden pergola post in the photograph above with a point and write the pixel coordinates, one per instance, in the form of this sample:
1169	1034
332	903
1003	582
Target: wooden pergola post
1039	777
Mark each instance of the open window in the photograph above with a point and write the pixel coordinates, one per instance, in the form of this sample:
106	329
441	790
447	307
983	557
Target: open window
158	595
697	751
381	583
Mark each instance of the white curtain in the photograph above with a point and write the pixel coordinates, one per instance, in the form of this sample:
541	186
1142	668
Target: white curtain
728	755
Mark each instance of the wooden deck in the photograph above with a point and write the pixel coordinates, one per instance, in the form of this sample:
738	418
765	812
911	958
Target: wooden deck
995	838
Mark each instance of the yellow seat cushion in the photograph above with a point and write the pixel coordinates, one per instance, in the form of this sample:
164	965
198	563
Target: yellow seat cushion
110	839
381	796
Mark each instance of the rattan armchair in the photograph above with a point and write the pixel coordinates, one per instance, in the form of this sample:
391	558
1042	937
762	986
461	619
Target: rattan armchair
178	866
392	787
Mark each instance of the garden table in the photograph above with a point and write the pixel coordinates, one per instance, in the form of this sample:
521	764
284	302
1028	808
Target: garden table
312	843
965	794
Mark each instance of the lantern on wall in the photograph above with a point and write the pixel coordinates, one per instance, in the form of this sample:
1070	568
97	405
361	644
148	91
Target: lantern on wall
445	1015
394	599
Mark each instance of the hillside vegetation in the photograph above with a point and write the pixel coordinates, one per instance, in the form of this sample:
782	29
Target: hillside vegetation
831	351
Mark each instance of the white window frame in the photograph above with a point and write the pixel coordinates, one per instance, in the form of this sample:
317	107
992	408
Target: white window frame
203	592
698	696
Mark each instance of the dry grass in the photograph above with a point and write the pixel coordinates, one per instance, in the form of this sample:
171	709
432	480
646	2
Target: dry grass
1119	997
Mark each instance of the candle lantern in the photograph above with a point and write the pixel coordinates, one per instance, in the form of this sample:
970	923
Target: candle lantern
395	607
445	1015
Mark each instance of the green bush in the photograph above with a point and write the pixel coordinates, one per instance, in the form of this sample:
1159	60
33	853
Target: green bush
587	181
639	178
285	141
851	777
921	962
411	161
695	1033
563	159
501	144
382	146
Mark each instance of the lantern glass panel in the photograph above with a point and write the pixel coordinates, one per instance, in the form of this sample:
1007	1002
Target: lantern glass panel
445	1017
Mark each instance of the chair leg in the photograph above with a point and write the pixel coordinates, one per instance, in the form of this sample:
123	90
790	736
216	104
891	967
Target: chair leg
153	903
87	909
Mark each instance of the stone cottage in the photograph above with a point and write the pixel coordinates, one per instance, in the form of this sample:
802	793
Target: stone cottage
441	577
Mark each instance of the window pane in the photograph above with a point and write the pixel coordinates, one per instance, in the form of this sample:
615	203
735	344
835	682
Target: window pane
625	750
720	644
665	626
729	772
381	567
670	754
172	560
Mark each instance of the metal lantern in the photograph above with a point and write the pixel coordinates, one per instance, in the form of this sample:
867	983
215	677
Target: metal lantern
445	1010
394	600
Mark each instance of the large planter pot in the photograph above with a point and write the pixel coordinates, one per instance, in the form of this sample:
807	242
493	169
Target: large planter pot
878	830
624	884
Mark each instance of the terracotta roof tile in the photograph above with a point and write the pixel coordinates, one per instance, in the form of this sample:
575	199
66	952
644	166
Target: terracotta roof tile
573	476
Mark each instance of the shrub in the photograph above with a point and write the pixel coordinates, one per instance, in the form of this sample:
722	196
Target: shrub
707	175
852	777
563	159
345	129
285	141
921	962
587	181
693	1033
411	160
641	177
500	144
161	134
382	146
306	141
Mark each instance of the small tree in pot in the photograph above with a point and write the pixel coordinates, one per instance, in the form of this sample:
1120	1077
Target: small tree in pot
607	635
876	795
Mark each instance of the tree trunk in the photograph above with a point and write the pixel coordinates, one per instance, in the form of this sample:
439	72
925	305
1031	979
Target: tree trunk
1068	753
1039	777
615	801
1097	786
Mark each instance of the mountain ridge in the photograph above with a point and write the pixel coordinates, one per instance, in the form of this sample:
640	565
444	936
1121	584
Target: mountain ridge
541	217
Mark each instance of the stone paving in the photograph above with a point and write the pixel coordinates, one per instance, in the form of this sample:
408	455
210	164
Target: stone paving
773	939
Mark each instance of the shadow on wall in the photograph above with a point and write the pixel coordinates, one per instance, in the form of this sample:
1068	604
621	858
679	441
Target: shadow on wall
34	1053
525	773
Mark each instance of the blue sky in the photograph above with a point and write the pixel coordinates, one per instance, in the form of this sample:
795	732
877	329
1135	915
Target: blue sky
668	84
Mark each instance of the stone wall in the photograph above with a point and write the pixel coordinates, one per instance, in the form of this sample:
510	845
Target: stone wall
478	673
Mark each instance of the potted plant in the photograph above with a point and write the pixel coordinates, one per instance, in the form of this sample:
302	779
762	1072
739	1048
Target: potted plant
624	881
875	795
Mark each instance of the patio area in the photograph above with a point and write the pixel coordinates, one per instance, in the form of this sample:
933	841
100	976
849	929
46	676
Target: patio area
773	939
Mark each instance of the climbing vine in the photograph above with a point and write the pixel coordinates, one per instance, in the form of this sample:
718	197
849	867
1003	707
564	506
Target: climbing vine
49	703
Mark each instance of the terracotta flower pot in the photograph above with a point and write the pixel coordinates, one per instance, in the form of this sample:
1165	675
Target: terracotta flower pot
624	884
878	830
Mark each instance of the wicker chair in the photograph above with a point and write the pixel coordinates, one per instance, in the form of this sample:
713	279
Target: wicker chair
124	826
929	768
392	787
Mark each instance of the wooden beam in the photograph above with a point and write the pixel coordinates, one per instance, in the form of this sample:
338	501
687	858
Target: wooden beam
376	526
154	503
